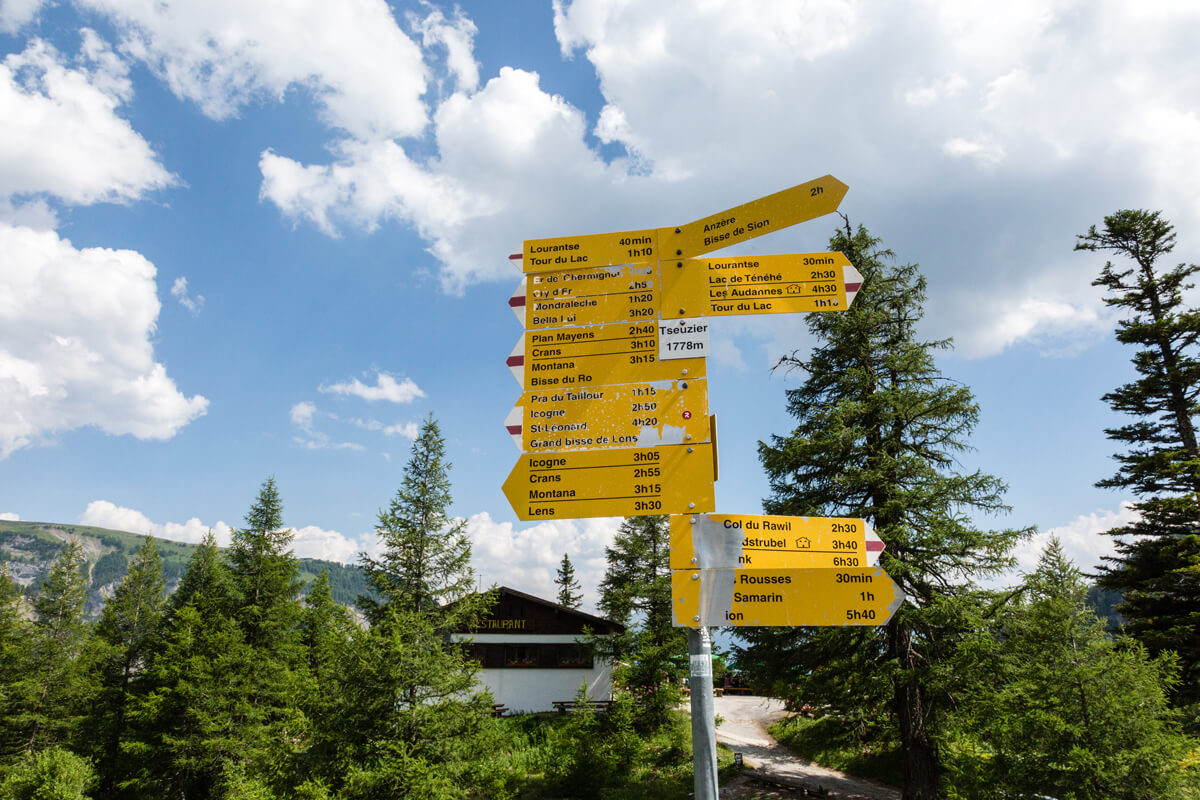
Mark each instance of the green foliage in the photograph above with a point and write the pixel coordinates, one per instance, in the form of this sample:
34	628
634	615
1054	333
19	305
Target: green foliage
110	568
1158	574
569	593
16	638
56	690
1052	706
51	774
125	634
878	435
265	572
426	561
837	743
406	684
637	587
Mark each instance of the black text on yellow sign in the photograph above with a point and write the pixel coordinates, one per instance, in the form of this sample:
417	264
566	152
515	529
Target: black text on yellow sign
626	293
644	414
738	224
777	284
612	483
600	355
783	597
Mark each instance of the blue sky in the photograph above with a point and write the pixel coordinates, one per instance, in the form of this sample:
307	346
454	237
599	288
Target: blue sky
241	240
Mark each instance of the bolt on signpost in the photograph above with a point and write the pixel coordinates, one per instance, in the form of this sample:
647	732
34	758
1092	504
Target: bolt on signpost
614	420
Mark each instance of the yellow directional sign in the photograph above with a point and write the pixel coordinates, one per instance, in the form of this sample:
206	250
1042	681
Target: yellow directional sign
782	597
590	250
749	220
738	224
601	355
777	284
595	296
711	541
604	417
612	483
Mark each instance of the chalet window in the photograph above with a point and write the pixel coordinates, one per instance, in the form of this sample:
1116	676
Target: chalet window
520	655
574	655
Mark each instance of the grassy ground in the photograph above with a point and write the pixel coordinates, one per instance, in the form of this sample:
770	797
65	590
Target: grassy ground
553	756
826	742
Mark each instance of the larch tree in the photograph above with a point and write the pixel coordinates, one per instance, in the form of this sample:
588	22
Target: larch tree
878	435
1157	567
569	593
1055	707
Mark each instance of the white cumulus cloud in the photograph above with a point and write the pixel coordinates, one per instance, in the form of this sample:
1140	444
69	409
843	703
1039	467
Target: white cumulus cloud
386	388
527	559
1082	539
75	343
309	541
14	14
9	516
61	133
365	74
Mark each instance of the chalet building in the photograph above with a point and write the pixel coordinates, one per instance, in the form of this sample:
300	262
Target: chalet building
532	653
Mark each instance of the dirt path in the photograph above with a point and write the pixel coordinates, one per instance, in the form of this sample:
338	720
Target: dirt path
744	730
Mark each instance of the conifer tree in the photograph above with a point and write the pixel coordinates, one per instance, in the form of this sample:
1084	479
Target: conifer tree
15	644
426	561
1055	708
327	633
127	630
877	435
637	588
208	701
569	593
206	584
265	572
58	684
1158	572
408	705
637	578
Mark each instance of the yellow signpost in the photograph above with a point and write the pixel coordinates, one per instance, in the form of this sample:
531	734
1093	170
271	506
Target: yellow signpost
774	212
604	417
778	284
601	355
612	483
590	250
778	597
731	226
624	293
712	541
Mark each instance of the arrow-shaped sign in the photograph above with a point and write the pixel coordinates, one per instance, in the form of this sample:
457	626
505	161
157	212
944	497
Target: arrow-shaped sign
605	417
601	355
783	597
612	483
731	226
711	541
779	284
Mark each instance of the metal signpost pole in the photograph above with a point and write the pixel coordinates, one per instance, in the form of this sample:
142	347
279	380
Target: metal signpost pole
704	729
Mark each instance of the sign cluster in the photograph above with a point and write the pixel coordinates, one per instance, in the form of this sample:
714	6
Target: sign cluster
613	419
737	569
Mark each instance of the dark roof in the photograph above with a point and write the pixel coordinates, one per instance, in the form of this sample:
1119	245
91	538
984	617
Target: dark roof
598	625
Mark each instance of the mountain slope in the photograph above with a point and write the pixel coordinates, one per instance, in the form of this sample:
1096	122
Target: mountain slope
29	547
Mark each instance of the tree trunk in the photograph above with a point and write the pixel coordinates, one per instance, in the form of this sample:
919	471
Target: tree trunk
920	755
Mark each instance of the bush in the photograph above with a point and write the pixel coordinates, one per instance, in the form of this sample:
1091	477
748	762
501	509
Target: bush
53	774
